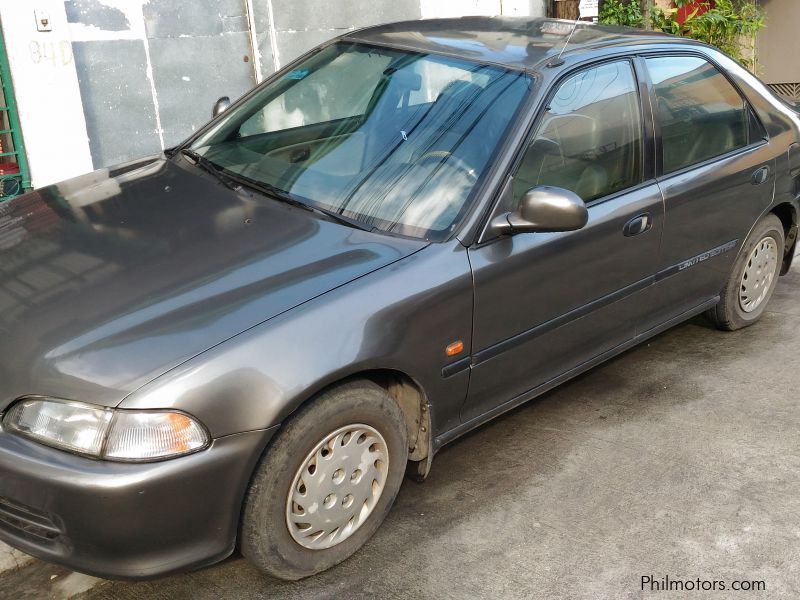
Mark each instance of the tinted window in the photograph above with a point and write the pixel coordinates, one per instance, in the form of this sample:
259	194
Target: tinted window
589	140
701	114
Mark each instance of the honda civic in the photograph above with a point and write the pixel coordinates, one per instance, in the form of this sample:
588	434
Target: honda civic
247	341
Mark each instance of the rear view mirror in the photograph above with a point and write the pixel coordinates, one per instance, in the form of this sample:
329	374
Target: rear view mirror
544	209
220	106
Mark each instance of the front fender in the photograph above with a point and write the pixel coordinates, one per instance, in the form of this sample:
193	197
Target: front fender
400	317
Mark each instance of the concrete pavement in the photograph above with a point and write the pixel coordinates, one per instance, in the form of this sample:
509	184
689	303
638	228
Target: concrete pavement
679	458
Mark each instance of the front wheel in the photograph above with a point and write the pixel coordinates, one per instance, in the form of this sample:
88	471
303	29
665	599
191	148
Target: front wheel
753	278
326	483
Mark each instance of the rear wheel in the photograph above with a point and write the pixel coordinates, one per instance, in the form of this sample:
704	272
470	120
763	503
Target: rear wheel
326	483
753	278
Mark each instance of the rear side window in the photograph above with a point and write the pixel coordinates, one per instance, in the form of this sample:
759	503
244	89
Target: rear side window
590	137
702	116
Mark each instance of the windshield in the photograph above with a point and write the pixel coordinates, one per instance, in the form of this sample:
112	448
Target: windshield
391	139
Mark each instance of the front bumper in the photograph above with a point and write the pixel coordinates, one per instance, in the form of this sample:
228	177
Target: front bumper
125	521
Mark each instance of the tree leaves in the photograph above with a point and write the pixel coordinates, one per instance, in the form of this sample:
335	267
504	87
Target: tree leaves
730	25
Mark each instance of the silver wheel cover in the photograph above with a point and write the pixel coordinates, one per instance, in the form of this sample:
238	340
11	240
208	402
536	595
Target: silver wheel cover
759	271
337	486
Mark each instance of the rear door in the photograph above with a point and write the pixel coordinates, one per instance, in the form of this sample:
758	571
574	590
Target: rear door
546	303
716	172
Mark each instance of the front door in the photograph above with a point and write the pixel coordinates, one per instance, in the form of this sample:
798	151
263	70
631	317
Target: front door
546	303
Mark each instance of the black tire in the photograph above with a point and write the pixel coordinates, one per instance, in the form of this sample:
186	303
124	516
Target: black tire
729	315
265	537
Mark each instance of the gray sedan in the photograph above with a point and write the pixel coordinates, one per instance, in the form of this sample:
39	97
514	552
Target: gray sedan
248	340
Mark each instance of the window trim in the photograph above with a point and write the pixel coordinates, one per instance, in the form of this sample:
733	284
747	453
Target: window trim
709	161
660	174
646	149
648	91
649	124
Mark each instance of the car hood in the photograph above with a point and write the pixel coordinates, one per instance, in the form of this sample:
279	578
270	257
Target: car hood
110	279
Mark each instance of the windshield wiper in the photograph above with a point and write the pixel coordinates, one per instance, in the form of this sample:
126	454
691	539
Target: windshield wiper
210	167
279	194
349	221
235	180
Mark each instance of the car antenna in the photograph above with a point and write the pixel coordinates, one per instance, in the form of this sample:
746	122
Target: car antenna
558	61
586	8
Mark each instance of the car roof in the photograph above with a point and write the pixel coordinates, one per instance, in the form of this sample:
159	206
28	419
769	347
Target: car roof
511	41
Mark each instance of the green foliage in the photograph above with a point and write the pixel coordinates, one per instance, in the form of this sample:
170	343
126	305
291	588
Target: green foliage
621	12
730	25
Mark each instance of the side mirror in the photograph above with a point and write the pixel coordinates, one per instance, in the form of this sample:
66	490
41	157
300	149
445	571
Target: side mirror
220	106
544	209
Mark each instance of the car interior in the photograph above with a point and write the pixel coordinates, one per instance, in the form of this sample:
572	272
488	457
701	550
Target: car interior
589	139
422	156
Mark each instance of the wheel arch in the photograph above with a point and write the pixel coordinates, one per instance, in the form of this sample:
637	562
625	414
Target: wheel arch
413	402
787	213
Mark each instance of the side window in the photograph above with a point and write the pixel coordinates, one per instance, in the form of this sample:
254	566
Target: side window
700	112
590	137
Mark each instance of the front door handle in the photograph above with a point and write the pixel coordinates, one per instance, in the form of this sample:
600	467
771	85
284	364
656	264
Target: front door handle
638	225
761	176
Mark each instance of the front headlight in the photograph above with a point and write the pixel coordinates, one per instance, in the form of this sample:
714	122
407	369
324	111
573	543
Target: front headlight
111	434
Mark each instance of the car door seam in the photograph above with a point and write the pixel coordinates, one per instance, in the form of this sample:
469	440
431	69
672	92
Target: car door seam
503	346
459	430
520	338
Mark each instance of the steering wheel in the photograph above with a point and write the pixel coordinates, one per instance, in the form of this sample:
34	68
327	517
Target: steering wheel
452	161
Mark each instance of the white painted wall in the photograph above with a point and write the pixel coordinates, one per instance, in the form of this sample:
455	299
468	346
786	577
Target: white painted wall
456	8
432	9
525	8
47	92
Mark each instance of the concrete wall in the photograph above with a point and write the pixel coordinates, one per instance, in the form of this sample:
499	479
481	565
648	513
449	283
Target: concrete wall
288	28
779	43
117	79
149	71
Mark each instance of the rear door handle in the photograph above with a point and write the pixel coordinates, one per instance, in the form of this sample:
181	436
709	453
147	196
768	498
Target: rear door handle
761	176
638	225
